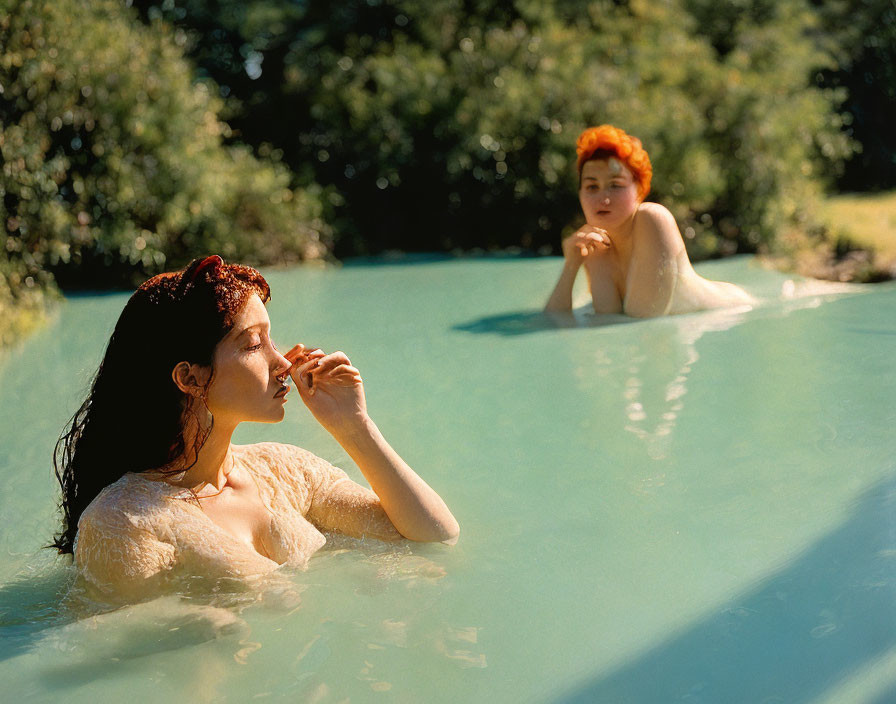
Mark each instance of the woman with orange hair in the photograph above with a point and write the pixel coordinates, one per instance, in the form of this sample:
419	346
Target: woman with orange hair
632	251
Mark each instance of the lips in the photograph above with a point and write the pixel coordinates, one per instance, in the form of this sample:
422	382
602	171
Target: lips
282	391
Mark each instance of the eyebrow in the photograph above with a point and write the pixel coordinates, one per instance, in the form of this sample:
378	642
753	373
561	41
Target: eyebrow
613	177
252	328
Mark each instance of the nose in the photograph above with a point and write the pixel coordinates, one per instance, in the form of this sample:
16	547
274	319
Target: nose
281	364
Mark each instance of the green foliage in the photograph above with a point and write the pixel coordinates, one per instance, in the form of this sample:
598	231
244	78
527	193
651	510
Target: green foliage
862	39
26	295
777	139
113	163
446	123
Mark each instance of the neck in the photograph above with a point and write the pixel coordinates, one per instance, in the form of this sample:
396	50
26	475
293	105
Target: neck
621	237
214	462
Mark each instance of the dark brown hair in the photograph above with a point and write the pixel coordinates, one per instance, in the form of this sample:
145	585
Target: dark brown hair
133	417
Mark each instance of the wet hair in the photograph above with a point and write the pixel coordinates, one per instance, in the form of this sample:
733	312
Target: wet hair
606	141
134	417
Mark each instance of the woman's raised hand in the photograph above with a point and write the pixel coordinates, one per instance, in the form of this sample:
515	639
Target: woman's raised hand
330	386
585	241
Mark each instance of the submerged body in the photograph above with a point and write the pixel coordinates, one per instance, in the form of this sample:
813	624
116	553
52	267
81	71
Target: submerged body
646	271
142	530
632	251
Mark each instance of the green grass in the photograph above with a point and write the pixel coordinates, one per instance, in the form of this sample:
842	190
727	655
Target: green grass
868	220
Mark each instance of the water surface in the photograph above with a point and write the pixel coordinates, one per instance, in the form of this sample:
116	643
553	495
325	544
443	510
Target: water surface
697	508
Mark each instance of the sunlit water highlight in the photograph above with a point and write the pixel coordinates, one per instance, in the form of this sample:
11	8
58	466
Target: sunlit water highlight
697	508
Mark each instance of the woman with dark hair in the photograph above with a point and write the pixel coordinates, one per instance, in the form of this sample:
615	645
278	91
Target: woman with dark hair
632	251
152	487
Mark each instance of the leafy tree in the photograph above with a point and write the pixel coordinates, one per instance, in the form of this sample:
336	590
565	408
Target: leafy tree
113	159
861	35
451	123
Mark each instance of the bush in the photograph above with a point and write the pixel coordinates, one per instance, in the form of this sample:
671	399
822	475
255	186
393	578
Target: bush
114	167
26	296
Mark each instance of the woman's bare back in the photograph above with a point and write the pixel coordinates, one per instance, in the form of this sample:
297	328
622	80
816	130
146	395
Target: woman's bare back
652	275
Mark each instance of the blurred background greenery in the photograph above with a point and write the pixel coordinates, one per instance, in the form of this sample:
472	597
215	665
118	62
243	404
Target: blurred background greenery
138	134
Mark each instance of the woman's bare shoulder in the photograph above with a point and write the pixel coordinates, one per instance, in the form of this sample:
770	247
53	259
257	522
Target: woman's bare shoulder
655	226
653	214
132	500
124	536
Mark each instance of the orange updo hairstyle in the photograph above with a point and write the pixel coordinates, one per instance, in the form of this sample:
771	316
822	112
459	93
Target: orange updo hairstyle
605	141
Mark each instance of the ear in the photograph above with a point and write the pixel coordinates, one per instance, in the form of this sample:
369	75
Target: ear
190	378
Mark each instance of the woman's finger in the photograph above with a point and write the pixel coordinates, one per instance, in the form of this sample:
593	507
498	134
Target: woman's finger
324	374
337	380
344	370
332	360
301	373
301	353
295	353
307	357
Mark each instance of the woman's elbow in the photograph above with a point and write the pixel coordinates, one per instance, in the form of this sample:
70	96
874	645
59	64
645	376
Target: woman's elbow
450	533
445	530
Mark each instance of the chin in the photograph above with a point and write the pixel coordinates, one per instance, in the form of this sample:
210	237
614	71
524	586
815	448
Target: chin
271	417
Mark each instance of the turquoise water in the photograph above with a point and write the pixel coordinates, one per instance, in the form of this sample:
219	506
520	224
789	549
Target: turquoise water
698	508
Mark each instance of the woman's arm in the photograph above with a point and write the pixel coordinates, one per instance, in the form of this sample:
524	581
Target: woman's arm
334	393
561	297
416	511
576	247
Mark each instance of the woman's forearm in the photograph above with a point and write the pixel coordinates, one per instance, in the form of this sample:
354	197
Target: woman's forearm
561	298
416	511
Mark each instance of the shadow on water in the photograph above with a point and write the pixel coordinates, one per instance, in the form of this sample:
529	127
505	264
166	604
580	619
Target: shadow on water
527	322
48	608
866	331
810	627
806	295
29	606
887	697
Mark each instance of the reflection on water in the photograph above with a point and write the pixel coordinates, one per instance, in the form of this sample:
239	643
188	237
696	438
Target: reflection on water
659	365
668	350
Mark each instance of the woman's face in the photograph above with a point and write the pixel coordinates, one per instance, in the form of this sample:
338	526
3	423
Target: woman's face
245	385
608	193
